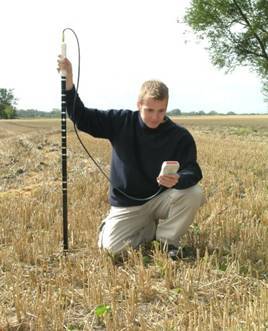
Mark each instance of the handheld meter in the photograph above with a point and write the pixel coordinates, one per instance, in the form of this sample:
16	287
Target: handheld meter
169	168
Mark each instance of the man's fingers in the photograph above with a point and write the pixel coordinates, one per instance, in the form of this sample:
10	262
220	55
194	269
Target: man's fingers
168	180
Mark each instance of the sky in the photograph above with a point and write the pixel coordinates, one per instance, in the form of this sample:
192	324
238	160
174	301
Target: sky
123	43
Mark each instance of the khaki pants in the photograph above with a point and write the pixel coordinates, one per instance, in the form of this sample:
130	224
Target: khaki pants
165	218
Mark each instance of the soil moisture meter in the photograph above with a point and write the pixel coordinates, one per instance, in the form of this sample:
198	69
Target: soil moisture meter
169	168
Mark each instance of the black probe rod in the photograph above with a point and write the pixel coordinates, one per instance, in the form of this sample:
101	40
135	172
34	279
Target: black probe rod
64	162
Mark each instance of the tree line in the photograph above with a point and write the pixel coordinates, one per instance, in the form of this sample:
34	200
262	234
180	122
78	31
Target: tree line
34	113
178	112
8	110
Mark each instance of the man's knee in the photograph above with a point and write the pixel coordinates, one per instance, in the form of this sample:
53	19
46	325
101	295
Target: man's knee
115	238
111	244
192	196
197	195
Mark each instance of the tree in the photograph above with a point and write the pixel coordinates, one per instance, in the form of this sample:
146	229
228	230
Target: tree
236	31
7	103
213	112
201	113
174	112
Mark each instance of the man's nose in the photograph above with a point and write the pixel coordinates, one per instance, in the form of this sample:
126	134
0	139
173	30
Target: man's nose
155	116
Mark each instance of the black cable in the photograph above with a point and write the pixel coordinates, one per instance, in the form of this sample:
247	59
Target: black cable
81	142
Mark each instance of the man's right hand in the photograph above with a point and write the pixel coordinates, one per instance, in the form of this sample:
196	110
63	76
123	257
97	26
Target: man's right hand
66	66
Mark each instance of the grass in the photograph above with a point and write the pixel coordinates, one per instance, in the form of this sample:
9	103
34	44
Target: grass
224	288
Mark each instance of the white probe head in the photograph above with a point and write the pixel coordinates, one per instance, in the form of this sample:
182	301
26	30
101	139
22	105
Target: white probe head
63	50
63	54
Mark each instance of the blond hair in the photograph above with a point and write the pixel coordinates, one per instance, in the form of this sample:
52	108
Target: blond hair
154	89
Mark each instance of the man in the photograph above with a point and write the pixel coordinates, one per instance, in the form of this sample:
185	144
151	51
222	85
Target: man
141	141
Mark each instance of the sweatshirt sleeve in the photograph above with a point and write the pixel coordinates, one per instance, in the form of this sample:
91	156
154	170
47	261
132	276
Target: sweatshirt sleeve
190	172
96	122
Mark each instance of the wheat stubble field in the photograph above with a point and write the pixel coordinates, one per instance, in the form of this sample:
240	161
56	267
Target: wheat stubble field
224	288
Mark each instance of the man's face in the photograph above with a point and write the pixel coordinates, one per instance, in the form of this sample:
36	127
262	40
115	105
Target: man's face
152	111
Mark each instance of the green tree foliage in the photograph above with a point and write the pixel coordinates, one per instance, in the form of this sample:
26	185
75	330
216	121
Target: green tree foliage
7	104
236	31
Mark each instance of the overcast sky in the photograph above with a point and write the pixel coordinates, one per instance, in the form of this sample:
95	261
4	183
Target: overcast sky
123	43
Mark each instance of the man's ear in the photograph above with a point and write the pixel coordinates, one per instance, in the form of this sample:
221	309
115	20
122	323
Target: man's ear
139	103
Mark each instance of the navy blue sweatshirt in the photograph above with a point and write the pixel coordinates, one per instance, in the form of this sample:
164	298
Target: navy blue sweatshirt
137	150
